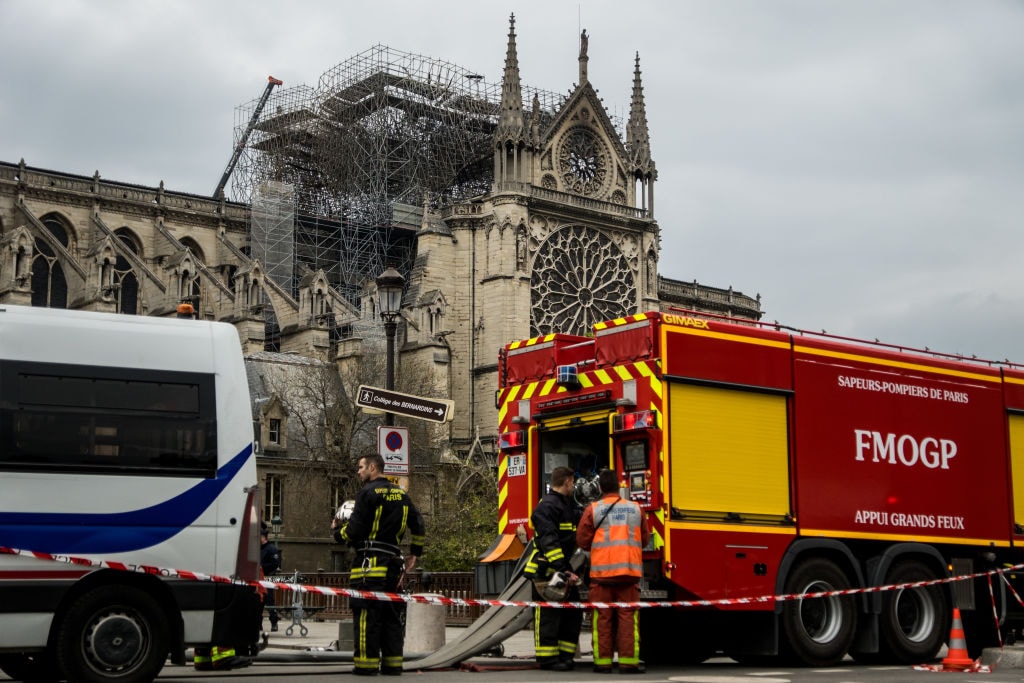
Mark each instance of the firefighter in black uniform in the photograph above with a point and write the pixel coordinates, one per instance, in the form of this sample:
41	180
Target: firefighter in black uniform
556	631
379	519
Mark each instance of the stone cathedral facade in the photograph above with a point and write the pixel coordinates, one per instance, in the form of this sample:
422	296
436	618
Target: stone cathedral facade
566	237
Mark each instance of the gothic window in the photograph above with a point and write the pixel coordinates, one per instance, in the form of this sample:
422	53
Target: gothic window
128	294
582	161
49	285
193	246
580	277
434	313
125	281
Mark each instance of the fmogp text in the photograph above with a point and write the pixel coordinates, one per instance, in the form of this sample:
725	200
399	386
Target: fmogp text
904	449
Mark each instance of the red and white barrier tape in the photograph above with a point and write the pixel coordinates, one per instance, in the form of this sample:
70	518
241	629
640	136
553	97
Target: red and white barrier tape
474	602
995	610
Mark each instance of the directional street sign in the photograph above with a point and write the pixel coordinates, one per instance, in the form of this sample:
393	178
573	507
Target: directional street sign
433	409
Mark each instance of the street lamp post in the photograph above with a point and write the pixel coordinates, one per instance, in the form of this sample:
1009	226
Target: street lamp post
275	525
390	285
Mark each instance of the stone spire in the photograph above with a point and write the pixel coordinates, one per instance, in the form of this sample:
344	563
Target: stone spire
510	117
638	142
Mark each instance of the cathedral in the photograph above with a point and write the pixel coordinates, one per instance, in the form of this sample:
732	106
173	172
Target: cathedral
510	213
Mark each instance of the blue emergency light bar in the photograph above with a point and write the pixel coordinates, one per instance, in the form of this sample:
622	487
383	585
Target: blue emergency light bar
568	374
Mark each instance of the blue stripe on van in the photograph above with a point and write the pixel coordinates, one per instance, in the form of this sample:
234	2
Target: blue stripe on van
94	533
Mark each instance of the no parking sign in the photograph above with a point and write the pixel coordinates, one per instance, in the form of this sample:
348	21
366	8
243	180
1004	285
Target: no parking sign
393	446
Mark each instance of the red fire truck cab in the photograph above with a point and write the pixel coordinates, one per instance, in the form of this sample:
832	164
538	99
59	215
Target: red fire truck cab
773	462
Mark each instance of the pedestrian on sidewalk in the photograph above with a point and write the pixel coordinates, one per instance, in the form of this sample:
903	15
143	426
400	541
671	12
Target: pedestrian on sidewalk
270	562
616	541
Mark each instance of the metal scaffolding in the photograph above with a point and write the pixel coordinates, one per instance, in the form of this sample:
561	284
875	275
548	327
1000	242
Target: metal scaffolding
382	128
272	230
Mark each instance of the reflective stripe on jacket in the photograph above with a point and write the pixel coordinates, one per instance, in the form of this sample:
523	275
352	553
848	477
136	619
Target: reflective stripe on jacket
382	514
616	551
554	521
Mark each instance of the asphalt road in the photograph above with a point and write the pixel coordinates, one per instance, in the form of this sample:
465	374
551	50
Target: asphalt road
714	671
307	657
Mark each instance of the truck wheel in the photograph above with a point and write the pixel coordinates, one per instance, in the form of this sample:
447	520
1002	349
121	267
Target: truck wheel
819	630
32	668
914	622
113	633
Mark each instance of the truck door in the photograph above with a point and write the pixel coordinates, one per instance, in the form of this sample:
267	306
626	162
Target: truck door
579	441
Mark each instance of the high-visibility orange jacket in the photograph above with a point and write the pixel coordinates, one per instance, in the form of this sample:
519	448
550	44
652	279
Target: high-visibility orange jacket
616	547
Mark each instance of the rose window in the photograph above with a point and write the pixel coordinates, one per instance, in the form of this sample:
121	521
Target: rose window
580	277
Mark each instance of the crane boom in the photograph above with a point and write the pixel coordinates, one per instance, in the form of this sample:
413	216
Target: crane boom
271	82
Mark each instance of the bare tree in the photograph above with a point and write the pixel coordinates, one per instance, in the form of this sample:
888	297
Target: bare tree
465	520
327	432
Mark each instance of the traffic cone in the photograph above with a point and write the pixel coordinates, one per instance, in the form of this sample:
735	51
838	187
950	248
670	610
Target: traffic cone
957	657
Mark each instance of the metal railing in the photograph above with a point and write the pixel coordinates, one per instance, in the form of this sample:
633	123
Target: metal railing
449	584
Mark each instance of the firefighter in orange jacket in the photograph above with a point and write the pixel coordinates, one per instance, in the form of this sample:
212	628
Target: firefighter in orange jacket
615	532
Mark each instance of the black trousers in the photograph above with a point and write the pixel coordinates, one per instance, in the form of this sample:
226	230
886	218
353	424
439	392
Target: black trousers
378	625
268	601
556	631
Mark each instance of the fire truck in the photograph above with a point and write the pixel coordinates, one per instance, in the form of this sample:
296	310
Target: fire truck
777	462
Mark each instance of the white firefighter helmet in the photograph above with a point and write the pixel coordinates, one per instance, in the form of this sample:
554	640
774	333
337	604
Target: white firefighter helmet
344	512
555	589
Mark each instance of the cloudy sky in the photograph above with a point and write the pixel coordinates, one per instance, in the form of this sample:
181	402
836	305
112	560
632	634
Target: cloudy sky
857	163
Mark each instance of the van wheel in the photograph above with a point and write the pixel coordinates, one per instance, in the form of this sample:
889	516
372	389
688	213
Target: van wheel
819	630
914	622
113	633
32	668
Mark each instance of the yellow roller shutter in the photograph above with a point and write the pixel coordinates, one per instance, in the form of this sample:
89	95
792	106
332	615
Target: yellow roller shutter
1017	466
728	452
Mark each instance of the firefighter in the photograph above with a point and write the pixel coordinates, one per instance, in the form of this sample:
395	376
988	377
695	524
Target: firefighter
615	532
379	519
556	631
